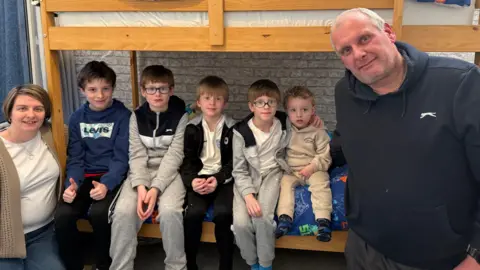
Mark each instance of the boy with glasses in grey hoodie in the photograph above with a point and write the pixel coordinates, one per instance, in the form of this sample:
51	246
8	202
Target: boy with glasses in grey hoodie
156	153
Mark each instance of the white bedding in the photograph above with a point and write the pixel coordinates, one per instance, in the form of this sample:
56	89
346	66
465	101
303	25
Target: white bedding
414	14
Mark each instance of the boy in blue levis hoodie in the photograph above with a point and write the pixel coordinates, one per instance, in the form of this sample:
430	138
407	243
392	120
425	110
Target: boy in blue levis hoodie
97	163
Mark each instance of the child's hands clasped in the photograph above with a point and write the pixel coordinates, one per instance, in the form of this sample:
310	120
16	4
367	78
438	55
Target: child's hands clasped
199	184
141	194
146	199
150	200
253	206
204	186
211	185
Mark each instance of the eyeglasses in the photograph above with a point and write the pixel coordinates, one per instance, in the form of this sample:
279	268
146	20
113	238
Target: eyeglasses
262	103
154	90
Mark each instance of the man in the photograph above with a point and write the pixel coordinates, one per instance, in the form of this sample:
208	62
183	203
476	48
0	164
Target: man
410	130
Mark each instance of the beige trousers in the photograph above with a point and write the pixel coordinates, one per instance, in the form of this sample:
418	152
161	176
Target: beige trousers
319	187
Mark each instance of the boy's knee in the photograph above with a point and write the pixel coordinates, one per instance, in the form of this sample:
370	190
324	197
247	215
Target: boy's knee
264	222
124	211
168	211
194	214
98	213
288	181
242	224
320	176
64	213
222	215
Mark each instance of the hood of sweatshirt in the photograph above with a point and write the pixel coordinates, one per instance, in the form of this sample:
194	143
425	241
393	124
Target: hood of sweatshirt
99	116
307	129
151	123
416	62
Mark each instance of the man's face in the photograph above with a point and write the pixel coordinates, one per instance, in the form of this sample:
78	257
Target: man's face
364	49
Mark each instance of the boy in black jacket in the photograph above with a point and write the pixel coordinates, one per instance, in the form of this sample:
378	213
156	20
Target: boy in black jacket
207	172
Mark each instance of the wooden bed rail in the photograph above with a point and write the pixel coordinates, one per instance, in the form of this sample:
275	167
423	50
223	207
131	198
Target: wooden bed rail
202	5
217	37
254	39
337	244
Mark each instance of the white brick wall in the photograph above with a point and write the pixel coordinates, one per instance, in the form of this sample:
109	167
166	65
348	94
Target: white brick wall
318	71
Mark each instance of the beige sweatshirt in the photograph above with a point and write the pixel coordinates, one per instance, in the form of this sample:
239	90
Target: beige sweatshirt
309	145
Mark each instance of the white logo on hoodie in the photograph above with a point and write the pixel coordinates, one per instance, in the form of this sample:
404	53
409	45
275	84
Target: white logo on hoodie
432	114
96	130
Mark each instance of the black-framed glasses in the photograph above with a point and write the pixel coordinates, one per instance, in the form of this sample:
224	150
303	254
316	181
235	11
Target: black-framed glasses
262	103
154	90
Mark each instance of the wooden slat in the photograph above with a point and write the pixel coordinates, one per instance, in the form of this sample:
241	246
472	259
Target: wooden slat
245	5
398	18
125	5
215	20
134	79
201	5
339	238
260	39
153	230
130	38
277	39
190	39
477	4
443	38
54	88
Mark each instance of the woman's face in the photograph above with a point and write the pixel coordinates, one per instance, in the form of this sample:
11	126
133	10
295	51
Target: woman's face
27	114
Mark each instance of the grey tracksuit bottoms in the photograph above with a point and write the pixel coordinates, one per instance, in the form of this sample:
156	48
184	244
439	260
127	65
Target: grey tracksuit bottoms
254	236
126	224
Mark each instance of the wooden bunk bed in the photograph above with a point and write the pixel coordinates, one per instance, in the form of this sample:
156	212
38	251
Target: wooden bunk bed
216	37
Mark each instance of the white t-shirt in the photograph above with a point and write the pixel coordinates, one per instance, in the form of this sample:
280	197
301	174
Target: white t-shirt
267	143
211	155
38	173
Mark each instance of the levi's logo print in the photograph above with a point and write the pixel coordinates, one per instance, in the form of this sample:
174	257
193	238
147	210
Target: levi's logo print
96	130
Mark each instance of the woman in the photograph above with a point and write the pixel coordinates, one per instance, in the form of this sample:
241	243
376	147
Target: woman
30	183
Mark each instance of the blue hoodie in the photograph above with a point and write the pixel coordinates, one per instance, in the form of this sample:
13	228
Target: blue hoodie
98	143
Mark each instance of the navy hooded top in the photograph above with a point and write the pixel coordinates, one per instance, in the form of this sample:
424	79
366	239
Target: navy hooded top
98	143
414	161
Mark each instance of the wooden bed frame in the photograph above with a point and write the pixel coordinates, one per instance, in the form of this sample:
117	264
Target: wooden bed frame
291	242
217	37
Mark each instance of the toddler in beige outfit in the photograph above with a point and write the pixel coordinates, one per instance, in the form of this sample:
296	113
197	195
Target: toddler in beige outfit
308	154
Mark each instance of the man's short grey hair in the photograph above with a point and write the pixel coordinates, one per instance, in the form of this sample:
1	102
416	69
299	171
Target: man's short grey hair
376	19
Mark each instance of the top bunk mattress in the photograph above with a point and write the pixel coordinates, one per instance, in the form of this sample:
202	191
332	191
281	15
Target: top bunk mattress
415	13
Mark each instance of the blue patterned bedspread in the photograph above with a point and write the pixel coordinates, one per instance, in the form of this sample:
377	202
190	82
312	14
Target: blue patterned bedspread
448	2
304	220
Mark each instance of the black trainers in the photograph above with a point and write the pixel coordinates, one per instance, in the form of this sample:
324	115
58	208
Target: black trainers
284	225
324	231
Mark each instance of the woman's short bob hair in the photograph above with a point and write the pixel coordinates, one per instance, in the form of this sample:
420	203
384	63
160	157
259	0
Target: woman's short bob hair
32	90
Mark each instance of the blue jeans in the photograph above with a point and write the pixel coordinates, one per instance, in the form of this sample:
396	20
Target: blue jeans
42	252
